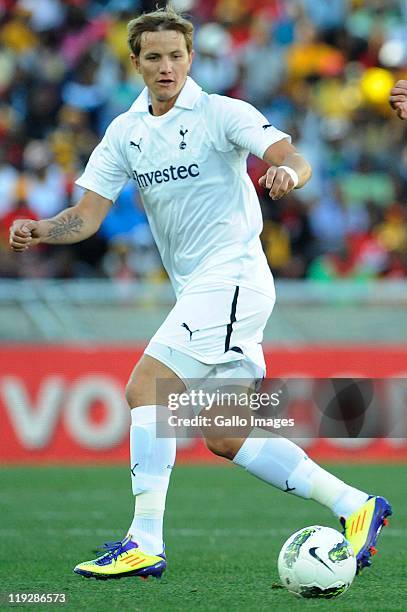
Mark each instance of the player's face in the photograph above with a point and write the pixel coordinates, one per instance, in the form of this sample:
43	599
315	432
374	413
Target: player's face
164	63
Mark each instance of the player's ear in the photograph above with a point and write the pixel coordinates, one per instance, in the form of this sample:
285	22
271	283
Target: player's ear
191	57
135	60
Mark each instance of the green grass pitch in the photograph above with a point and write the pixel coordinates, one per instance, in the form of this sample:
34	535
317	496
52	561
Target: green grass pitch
224	530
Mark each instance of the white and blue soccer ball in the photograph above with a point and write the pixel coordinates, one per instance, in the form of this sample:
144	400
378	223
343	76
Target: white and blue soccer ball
317	562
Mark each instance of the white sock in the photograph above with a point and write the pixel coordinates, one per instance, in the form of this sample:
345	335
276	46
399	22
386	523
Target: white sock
147	526
152	460
285	465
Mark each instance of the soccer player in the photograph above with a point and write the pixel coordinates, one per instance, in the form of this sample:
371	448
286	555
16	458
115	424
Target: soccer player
187	151
398	99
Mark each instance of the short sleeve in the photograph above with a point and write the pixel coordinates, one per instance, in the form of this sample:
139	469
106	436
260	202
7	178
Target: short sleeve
244	126
106	172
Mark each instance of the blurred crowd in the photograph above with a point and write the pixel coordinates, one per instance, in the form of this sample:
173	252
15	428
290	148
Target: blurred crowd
320	70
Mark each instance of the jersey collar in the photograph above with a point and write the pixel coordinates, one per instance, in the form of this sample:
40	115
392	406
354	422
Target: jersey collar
187	98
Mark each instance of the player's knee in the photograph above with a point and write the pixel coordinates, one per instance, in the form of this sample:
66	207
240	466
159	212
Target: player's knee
150	383
223	447
141	386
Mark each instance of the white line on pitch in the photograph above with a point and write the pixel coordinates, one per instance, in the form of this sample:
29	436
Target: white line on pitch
179	532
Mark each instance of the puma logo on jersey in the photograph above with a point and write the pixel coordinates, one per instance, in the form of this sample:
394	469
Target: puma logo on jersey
266	126
136	144
173	173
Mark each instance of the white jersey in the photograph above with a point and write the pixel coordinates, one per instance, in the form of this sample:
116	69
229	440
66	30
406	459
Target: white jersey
190	167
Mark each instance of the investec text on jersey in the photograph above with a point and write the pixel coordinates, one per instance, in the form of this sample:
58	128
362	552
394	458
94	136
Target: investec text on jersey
174	173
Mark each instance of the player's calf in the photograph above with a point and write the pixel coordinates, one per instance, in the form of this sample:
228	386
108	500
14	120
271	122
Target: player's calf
224	447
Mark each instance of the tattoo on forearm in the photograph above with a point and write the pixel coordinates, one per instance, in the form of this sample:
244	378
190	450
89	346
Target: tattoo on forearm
65	227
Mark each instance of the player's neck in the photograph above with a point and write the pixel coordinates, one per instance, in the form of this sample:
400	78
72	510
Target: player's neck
160	107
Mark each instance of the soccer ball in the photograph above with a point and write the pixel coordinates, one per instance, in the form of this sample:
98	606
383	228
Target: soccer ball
317	562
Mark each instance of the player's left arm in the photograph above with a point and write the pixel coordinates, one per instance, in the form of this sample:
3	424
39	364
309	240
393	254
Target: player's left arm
288	169
398	98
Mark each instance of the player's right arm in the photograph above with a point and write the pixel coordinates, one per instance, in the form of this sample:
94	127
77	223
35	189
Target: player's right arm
70	225
105	175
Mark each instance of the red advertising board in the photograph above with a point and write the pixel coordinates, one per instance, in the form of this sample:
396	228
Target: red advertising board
65	404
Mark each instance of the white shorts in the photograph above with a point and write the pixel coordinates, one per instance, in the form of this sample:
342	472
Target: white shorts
222	326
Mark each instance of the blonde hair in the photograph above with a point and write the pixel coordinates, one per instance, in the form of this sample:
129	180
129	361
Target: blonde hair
162	19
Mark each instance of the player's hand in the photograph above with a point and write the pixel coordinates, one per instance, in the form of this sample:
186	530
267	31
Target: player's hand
24	233
278	181
398	98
